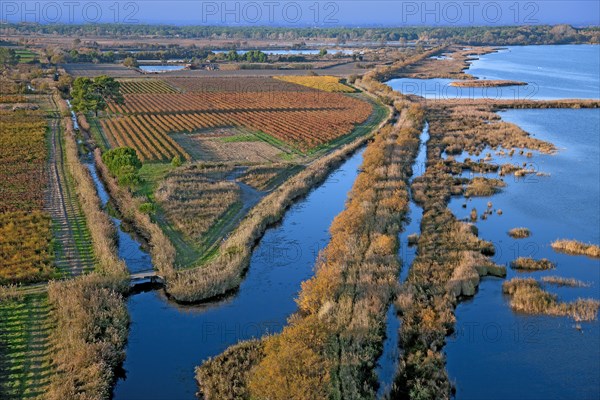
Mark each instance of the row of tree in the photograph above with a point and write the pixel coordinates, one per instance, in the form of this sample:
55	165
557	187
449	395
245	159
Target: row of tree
536	34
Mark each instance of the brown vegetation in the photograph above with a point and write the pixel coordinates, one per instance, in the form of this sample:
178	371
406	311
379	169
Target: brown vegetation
451	66
560	281
331	344
529	264
484	83
527	296
89	311
225	376
479	187
261	177
574	247
519	233
89	338
193	201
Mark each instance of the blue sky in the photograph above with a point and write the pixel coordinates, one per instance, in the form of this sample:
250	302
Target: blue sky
307	12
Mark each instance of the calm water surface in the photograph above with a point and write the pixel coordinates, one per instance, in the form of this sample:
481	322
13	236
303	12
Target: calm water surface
552	72
496	353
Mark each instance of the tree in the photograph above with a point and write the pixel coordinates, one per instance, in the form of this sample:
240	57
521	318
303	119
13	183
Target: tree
8	56
124	164
322	52
130	62
93	94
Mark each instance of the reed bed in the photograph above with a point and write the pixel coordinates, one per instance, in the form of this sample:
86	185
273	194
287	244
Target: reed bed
519	233
526	295
529	264
575	247
560	281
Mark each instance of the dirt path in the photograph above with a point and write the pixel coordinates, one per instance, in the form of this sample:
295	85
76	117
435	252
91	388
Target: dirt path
72	251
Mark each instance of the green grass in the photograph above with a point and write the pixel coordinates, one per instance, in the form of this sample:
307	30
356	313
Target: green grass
25	325
97	135
243	137
151	175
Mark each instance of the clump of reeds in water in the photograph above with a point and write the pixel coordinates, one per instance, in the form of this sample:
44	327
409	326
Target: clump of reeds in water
576	248
519	233
560	281
527	296
530	264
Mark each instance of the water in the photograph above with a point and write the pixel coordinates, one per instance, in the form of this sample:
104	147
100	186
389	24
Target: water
166	341
388	361
495	352
161	68
129	249
552	72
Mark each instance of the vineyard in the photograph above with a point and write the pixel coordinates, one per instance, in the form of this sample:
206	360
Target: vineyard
25	231
296	115
326	83
26	348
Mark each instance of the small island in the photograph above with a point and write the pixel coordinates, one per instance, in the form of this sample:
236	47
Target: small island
472	83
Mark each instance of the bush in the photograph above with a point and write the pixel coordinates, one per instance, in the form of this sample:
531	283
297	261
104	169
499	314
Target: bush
124	164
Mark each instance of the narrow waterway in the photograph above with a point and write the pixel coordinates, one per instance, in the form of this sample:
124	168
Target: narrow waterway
166	340
388	361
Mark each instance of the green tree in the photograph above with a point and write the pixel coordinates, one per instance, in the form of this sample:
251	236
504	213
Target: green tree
124	164
130	62
93	94
8	56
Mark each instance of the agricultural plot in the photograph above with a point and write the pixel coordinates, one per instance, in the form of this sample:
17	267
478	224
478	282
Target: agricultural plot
24	346
296	115
196	205
25	230
325	83
146	86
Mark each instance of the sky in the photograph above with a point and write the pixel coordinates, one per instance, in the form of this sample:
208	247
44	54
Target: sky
325	13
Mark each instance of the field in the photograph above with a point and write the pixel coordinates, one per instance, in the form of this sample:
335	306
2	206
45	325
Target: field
25	230
24	339
298	116
196	197
326	83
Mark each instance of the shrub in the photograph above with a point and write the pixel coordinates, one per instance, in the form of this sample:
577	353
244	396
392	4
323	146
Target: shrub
124	164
